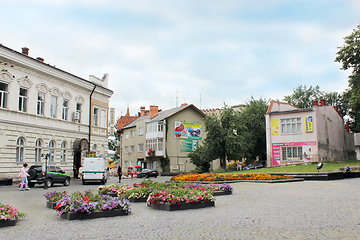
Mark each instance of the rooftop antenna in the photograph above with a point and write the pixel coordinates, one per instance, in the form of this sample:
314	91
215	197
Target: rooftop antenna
177	93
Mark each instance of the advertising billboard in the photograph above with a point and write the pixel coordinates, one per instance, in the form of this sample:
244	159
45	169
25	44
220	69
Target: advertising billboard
187	130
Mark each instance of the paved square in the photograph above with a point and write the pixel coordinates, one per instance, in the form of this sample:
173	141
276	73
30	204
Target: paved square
297	210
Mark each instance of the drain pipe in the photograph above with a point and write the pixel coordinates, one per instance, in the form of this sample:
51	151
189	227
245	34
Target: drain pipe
90	111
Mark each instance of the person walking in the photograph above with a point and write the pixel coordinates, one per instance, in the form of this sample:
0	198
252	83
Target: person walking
23	174
119	173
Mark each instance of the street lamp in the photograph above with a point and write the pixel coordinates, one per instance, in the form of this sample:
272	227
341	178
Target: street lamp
45	182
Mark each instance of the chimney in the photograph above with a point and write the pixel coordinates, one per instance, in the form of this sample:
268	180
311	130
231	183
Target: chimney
315	103
347	126
25	51
153	111
183	104
40	59
336	108
142	111
322	102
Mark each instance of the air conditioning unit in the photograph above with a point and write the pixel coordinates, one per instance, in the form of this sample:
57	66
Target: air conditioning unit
76	116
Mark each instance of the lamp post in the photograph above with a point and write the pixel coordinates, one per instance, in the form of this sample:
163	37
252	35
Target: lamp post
45	182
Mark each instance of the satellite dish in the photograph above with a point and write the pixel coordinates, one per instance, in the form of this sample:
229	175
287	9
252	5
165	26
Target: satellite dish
319	166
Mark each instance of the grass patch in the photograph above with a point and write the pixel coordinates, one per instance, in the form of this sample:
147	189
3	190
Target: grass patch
327	167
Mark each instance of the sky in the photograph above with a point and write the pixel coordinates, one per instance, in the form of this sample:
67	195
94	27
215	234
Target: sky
206	53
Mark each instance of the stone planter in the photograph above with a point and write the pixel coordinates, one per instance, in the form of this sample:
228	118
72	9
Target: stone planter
94	214
50	205
221	193
168	207
135	200
8	223
111	194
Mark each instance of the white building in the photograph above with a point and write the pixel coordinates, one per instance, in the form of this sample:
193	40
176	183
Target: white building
297	136
44	109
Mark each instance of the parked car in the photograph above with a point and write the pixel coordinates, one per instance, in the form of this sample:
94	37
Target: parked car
253	166
54	174
148	173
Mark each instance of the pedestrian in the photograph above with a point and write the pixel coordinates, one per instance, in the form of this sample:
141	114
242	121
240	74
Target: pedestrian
119	173
347	171
23	174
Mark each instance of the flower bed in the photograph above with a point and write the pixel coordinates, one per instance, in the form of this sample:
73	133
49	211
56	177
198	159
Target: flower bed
213	177
91	204
9	215
136	193
171	207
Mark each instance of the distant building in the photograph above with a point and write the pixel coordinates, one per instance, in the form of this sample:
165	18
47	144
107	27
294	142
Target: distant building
298	136
157	135
44	109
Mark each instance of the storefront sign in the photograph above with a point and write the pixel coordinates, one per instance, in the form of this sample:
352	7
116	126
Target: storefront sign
188	145
308	124
276	150
275	127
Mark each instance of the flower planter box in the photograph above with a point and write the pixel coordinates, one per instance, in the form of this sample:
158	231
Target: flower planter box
8	223
109	194
168	207
221	193
94	214
50	205
135	200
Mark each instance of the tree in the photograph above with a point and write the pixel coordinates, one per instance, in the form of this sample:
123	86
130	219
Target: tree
303	97
199	159
252	118
349	56
222	138
113	144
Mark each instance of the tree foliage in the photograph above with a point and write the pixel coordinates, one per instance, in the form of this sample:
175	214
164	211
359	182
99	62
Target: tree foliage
222	138
349	56
252	118
113	144
303	97
199	159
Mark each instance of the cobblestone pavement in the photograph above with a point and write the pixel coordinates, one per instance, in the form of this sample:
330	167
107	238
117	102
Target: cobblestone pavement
296	210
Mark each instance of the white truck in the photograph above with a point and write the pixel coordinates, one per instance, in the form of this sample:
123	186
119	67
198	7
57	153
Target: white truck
94	169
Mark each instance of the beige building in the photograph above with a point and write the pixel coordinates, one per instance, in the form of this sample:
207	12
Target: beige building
298	136
157	135
44	109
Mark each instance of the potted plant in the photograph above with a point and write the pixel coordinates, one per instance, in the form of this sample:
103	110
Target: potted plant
53	197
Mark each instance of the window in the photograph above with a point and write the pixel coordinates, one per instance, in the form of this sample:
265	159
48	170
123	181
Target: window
63	152
132	133
292	153
52	151
155	143
53	107
96	117
103	118
38	150
78	110
126	149
132	149
65	110
140	131
127	135
22	99
154	127
20	149
94	147
40	104
291	125
3	95
140	147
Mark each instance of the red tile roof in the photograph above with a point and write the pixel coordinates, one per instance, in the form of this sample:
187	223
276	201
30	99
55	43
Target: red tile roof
125	120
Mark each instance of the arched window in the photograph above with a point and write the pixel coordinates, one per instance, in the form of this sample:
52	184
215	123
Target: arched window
94	147
63	152
38	150
52	151
20	150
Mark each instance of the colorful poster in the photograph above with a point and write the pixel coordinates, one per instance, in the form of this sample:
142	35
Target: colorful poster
188	145
275	127
308	124
187	130
308	150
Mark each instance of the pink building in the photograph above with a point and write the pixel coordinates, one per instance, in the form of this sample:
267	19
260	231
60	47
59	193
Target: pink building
298	136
